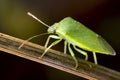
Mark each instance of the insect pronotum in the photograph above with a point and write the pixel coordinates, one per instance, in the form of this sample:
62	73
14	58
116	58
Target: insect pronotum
78	35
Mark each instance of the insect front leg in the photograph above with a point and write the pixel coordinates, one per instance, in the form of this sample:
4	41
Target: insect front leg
52	44
82	52
48	39
73	55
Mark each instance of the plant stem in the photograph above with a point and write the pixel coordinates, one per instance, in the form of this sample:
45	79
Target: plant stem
56	59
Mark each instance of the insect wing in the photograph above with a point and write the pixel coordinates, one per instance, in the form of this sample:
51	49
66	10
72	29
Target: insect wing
77	34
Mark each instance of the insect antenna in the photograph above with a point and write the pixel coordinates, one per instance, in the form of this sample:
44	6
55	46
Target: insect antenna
31	38
30	14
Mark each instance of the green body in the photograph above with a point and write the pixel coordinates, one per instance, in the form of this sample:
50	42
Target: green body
77	34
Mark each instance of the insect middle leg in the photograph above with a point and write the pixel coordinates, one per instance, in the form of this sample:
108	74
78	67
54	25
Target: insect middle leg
82	52
73	55
65	47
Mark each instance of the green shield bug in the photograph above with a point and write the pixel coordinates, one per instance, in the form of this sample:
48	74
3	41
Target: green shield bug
79	36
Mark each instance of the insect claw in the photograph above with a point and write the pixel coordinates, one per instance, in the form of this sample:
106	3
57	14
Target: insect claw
76	66
41	56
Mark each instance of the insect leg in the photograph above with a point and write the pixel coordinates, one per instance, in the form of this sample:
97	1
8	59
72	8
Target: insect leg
52	44
65	47
73	55
82	52
51	36
95	58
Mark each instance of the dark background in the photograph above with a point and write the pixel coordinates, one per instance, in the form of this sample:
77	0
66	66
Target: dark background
102	16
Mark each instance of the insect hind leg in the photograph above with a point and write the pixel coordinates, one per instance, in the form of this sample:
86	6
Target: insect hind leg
95	58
